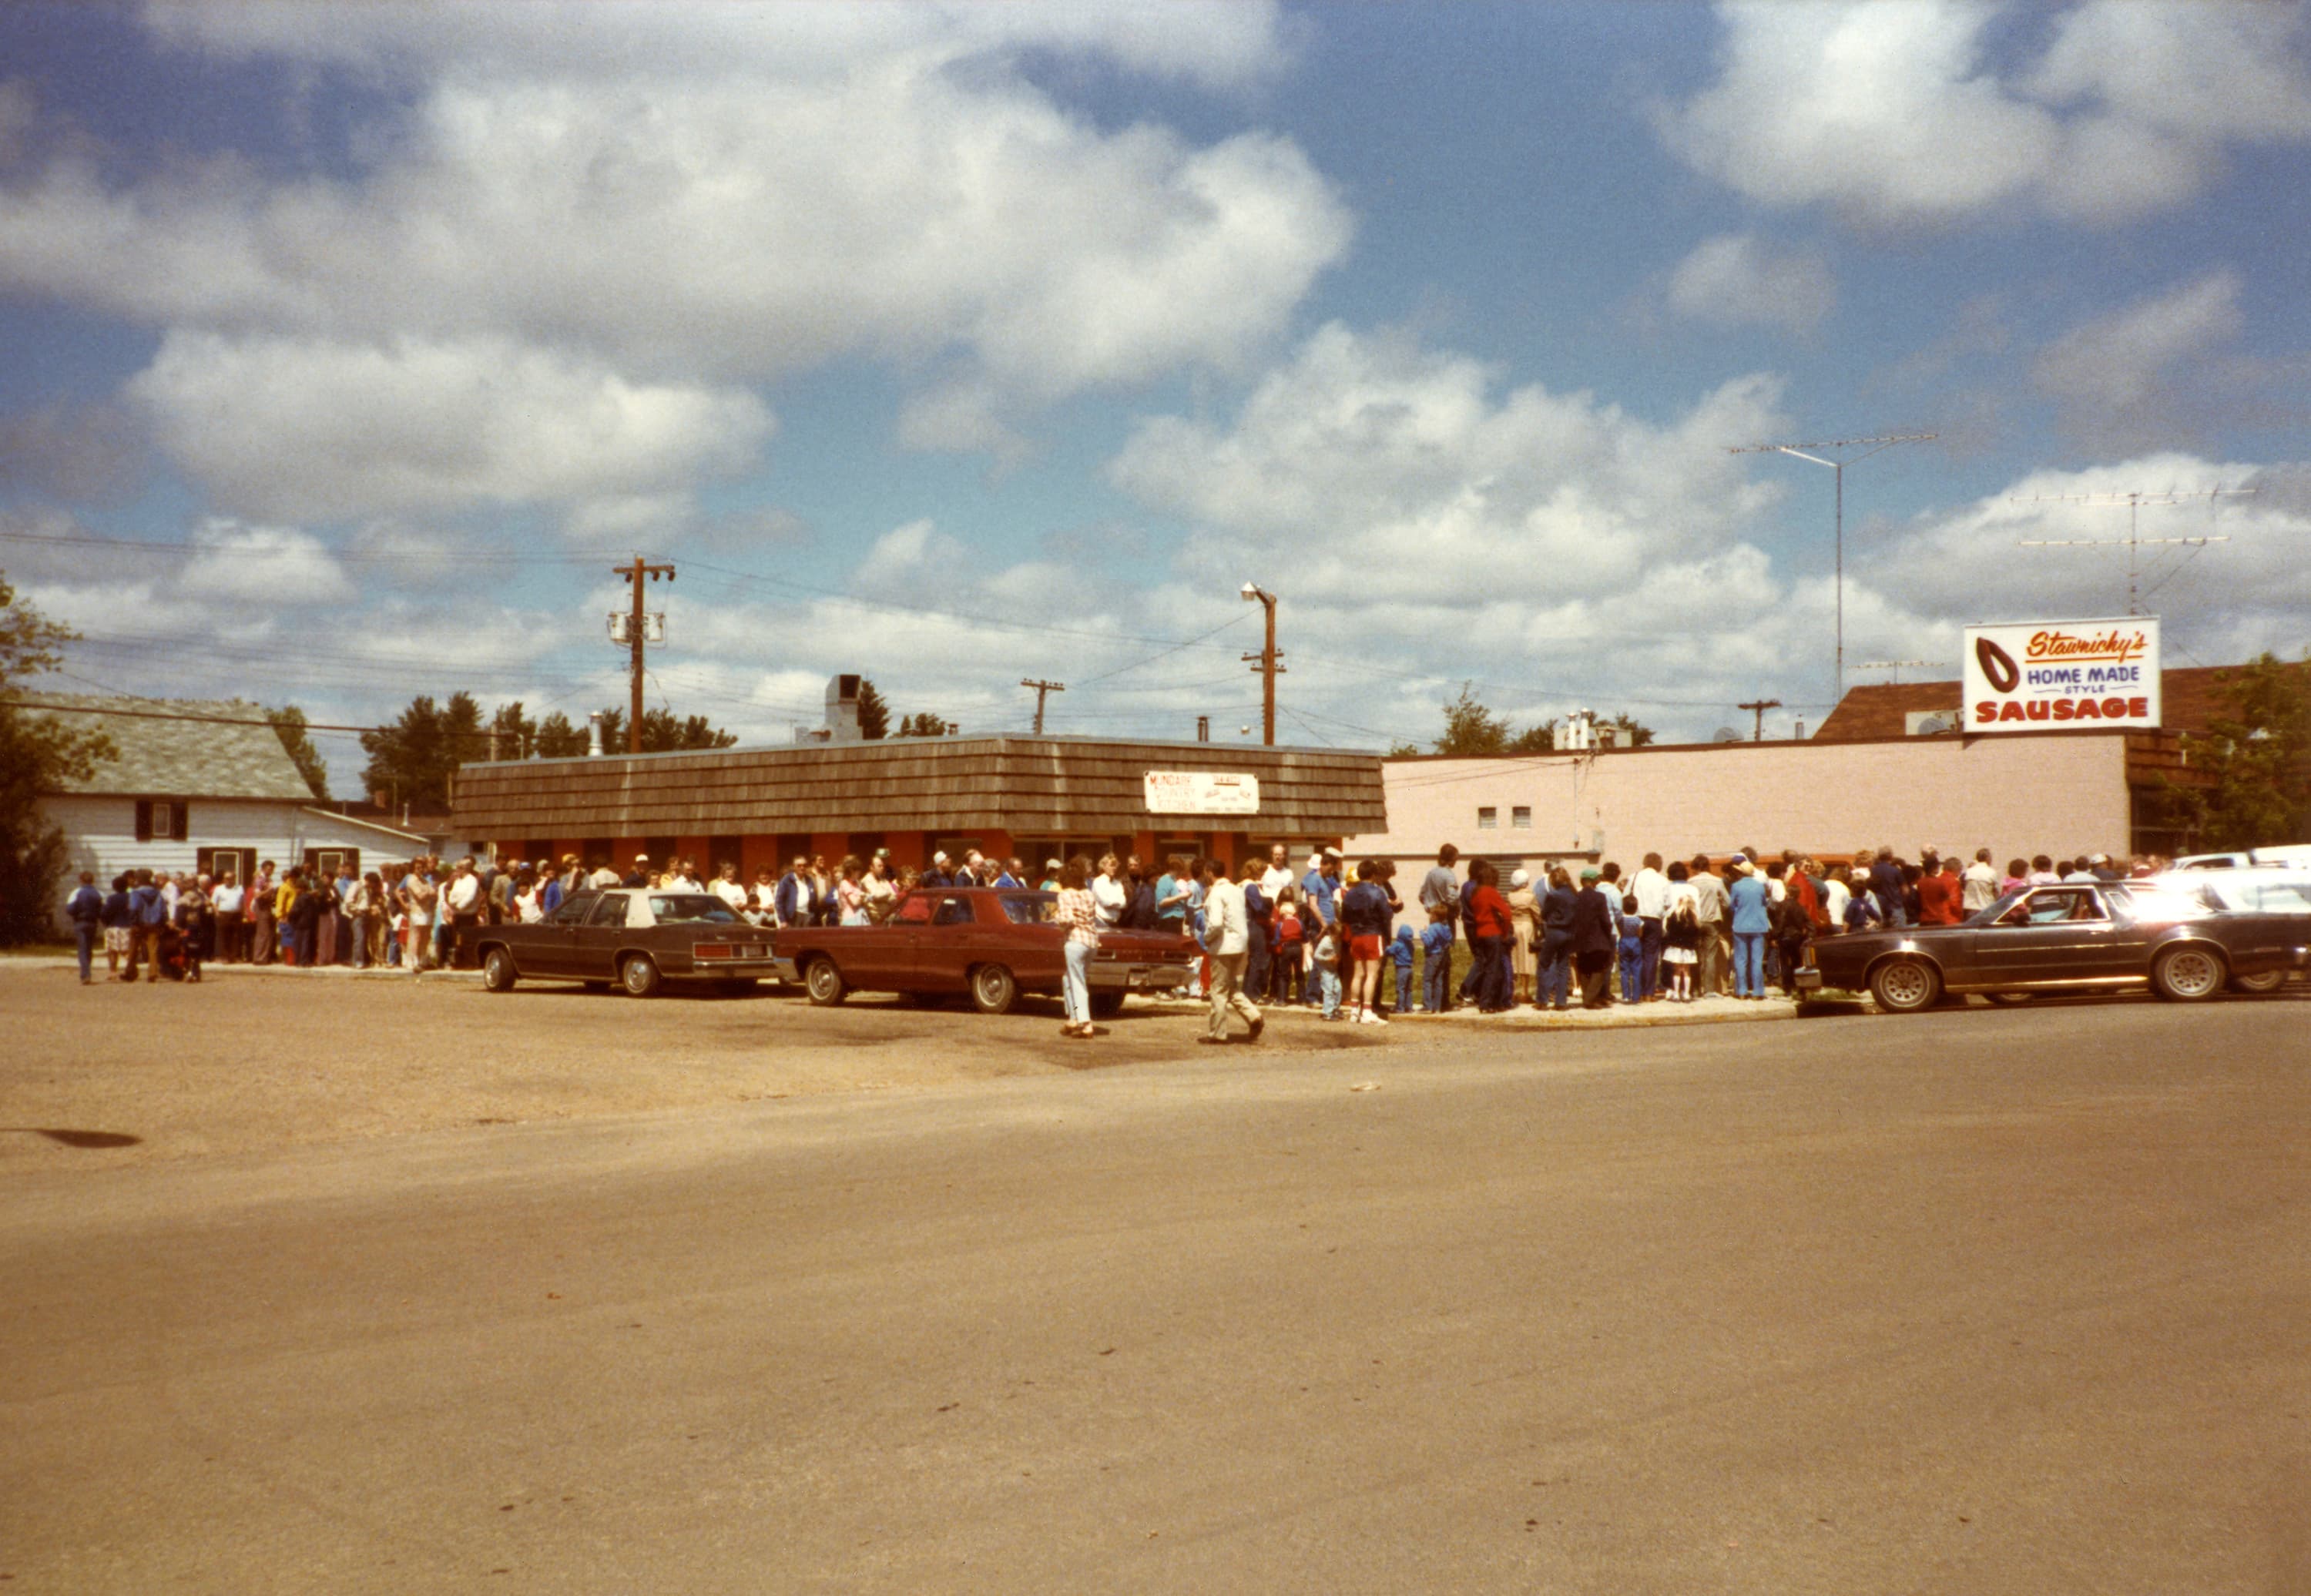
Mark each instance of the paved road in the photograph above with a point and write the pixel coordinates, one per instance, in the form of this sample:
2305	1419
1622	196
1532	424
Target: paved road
1981	1301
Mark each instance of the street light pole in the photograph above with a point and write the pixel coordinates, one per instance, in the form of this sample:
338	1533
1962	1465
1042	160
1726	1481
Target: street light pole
1838	465
1266	667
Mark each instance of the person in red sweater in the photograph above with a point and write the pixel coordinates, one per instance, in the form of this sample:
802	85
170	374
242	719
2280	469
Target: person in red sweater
1941	895
1490	930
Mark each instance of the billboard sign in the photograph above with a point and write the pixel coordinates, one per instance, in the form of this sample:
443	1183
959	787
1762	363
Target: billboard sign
2057	676
1201	792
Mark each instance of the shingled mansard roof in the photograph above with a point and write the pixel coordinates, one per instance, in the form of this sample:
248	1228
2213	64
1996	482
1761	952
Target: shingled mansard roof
168	758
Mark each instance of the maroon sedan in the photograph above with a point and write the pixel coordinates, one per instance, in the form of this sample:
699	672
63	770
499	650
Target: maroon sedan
989	942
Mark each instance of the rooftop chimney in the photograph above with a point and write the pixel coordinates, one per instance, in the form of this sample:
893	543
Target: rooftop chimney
594	735
842	710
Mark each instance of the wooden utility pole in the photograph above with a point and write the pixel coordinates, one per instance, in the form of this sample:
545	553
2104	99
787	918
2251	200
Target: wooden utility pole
1041	689
637	572
1760	705
1265	666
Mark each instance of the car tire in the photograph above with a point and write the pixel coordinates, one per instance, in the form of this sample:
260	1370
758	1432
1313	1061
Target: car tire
497	971
638	974
2270	981
2191	974
824	983
992	989
1106	1006
1904	986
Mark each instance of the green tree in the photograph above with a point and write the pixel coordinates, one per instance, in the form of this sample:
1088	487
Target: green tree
1639	736
874	714
559	738
2258	761
662	733
926	725
411	760
1471	729
1539	737
289	722
38	754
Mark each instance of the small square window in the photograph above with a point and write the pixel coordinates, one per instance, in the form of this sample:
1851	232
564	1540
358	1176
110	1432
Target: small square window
1488	819
1520	817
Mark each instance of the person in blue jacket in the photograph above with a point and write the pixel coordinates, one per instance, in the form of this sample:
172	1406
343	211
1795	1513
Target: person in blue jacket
1753	921
1437	958
1400	953
86	909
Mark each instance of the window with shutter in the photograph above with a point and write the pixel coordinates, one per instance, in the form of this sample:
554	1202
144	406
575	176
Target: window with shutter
144	820
183	815
162	826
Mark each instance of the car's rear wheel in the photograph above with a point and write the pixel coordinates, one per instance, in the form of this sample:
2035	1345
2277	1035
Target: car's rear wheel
498	973
639	975
824	983
1904	986
2270	981
1106	1006
992	989
2187	974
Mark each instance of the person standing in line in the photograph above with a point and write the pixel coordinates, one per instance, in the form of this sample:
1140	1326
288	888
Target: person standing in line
1364	913
1631	950
1435	959
1680	934
1324	971
1710	908
148	916
284	904
1053	871
1836	897
228	906
1941	896
1401	947
728	887
1525	931
1555	974
462	906
1752	924
417	895
1076	909
264	898
850	893
1649	887
1259	915
1596	932
1276	880
1287	962
1887	885
1440	886
1488	914
792	903
1978	887
86	909
1107	892
117	925
1227	930
191	916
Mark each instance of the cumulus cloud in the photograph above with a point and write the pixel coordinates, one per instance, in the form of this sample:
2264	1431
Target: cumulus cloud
232	561
728	193
300	428
1895	113
2113	377
1740	280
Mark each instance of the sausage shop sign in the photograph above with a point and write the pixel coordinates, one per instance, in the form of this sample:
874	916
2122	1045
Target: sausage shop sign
2061	676
1201	792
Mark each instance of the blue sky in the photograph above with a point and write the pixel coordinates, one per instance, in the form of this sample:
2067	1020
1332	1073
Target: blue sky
957	344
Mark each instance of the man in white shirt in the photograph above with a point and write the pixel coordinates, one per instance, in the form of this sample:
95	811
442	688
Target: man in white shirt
1649	887
1278	877
1978	887
226	901
1107	894
1835	896
731	889
462	902
1228	943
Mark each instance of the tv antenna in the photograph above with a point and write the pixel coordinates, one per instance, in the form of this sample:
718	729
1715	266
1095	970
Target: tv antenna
1833	445
1899	666
2134	541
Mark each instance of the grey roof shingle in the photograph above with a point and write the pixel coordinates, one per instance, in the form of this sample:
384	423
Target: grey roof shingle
168	758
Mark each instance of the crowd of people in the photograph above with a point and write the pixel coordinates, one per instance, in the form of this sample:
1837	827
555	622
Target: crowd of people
1337	939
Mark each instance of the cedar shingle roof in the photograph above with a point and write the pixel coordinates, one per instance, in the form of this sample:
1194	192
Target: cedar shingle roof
167	758
2191	696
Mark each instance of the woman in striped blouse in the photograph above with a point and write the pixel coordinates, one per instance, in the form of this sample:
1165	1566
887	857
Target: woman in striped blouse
1079	913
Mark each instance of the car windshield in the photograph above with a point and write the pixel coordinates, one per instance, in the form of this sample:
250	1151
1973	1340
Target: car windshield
1029	909
673	909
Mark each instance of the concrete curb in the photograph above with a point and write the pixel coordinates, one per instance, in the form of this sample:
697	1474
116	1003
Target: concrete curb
327	971
1619	1017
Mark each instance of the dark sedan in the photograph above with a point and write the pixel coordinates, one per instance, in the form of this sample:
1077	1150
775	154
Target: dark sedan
636	937
2076	935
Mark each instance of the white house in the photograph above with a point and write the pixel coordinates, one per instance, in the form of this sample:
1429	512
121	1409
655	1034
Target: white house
199	784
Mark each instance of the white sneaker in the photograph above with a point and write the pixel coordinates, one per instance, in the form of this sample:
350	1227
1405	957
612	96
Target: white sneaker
1372	1019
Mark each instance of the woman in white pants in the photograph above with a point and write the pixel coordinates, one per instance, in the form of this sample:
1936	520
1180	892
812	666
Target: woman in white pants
1079	913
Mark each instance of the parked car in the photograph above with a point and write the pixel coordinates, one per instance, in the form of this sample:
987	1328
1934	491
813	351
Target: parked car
992	944
2294	854
2247	889
635	937
2072	936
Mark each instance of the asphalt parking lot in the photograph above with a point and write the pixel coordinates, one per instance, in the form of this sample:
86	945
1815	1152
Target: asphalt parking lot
1983	1299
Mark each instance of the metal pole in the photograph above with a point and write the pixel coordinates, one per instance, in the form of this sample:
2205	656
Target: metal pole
1268	685
634	716
1840	693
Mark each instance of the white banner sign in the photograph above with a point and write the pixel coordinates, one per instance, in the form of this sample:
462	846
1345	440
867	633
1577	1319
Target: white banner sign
1201	792
2061	675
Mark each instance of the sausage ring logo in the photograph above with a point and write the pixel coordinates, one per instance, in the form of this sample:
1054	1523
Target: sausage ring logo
2063	676
1998	665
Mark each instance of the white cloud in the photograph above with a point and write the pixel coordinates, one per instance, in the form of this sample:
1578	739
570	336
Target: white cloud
303	429
1739	279
728	193
1894	111
2112	376
234	562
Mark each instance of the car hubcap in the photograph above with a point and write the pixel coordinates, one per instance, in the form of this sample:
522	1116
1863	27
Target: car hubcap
2191	974
822	981
1905	985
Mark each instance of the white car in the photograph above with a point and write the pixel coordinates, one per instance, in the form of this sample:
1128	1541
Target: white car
2294	854
2247	889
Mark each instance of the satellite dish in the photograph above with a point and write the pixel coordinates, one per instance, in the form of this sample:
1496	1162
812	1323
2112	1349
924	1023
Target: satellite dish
1932	726
1725	734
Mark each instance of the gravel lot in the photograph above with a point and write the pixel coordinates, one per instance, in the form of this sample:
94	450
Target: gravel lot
249	1060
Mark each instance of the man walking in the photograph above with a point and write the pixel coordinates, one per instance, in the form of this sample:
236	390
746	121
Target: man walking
1227	942
86	909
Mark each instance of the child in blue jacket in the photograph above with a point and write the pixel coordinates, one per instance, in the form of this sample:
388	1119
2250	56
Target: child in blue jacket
1436	957
1632	951
1399	953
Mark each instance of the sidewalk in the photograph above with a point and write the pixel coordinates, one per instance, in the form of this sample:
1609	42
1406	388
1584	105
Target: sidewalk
1704	1011
343	972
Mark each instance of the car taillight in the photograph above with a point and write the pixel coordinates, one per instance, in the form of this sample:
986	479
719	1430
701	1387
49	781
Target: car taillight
711	950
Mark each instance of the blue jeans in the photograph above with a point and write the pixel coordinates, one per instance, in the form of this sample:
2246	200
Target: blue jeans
1435	977
1633	969
1495	982
86	935
1554	988
1407	1000
1650	975
1076	982
1328	989
1748	963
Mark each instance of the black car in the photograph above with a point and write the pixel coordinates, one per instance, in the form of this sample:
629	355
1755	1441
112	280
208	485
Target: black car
639	938
2076	935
